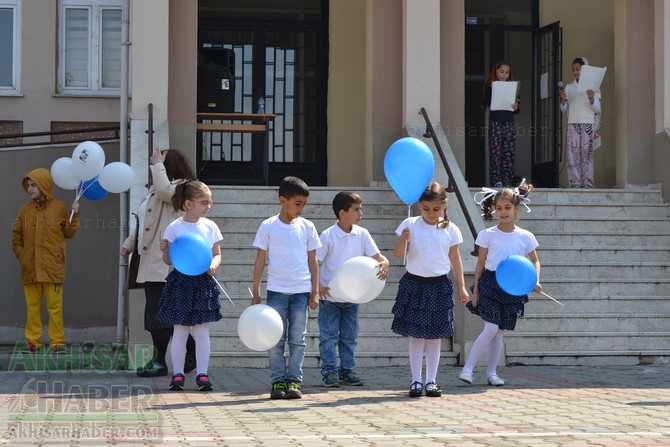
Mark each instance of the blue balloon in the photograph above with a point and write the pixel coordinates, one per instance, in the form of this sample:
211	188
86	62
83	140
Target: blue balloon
516	275
409	166
92	189
191	254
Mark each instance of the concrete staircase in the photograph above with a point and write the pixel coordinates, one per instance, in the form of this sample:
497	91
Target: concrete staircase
605	254
240	210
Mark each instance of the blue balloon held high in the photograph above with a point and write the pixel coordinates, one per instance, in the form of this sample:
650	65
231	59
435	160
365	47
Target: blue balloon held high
409	166
191	254
516	275
92	189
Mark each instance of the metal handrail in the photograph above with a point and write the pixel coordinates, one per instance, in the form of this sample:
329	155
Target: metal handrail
451	185
50	133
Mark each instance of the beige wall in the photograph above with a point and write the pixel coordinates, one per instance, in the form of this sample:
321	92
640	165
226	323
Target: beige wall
348	120
386	80
452	73
92	257
182	72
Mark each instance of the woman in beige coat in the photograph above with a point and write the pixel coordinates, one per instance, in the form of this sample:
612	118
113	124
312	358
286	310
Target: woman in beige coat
168	169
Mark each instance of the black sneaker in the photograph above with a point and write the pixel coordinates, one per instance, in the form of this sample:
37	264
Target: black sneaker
278	391
350	378
177	383
203	382
293	390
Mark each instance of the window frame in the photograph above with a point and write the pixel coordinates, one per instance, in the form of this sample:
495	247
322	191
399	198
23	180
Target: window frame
95	8
15	88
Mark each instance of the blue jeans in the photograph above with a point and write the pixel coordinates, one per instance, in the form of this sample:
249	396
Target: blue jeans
292	309
338	328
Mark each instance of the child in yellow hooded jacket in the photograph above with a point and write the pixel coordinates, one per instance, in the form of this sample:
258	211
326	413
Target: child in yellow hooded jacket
39	233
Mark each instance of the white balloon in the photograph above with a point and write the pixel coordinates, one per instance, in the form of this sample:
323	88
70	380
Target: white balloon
260	327
116	177
88	159
356	280
62	175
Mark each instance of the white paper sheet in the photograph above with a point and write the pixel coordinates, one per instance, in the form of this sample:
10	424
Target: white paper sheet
590	78
544	85
503	95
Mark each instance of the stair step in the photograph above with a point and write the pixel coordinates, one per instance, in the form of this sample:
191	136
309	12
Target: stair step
605	255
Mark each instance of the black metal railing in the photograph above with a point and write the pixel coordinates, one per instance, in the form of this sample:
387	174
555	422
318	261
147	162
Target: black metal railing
451	185
108	133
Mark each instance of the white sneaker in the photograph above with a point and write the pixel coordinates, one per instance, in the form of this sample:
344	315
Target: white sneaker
465	377
494	380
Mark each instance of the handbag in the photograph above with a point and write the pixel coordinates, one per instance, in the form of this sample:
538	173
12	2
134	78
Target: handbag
135	261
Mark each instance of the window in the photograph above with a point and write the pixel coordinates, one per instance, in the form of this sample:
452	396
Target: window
10	46
90	47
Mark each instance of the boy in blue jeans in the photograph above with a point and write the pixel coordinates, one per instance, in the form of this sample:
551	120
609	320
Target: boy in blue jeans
338	320
289	243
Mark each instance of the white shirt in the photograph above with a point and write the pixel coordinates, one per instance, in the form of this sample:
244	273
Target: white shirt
204	227
428	247
287	246
500	244
339	246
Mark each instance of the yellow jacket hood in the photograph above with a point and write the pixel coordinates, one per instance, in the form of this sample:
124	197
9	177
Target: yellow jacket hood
42	177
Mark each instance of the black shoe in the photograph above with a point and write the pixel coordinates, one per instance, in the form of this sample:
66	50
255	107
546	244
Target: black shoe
177	383
293	390
416	390
203	383
189	363
278	391
152	369
433	390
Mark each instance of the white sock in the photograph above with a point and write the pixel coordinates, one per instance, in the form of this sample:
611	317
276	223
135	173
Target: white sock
433	348
416	346
495	350
178	348
202	347
480	345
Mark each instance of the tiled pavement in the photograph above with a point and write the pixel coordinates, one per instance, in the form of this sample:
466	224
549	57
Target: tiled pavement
547	406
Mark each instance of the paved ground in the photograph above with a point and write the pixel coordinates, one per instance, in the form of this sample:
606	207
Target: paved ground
547	406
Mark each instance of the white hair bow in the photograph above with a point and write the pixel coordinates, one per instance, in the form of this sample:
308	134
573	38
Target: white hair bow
523	199
486	193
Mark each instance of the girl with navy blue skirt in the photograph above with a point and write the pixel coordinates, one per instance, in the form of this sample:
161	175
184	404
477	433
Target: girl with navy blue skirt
497	308
191	301
424	307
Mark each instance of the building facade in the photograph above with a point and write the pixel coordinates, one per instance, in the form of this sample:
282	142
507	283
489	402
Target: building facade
341	80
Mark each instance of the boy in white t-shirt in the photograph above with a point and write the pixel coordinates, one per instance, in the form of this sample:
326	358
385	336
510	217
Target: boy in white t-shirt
338	320
289	244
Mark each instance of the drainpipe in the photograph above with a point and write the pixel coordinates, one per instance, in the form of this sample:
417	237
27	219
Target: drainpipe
123	157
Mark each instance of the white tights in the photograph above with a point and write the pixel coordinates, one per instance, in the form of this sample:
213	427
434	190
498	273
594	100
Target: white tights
491	338
432	347
202	348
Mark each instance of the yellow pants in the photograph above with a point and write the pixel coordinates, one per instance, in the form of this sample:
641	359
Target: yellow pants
53	293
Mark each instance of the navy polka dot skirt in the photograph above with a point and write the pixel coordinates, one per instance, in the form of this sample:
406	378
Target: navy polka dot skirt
424	307
495	305
189	300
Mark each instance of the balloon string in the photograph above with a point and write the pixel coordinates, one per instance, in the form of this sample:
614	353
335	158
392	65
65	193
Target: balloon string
555	300
404	259
223	290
